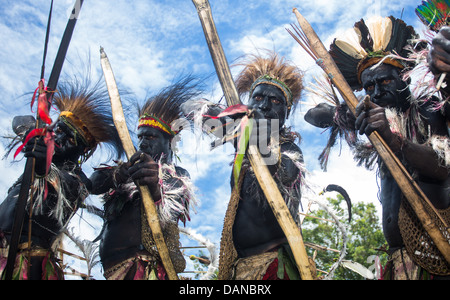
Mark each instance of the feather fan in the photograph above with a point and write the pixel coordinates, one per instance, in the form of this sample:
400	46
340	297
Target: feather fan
434	13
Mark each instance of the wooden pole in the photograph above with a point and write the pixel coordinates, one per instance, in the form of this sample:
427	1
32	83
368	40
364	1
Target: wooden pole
149	204
415	196
215	46
262	173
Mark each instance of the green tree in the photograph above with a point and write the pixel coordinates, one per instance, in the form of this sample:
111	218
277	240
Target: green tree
364	236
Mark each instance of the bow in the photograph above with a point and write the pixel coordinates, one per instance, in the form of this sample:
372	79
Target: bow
44	101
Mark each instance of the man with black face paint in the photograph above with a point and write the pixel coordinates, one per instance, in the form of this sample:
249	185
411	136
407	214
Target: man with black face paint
385	87
252	240
83	123
127	248
412	130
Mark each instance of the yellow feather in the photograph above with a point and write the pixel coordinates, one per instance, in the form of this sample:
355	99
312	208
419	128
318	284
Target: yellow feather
380	29
350	41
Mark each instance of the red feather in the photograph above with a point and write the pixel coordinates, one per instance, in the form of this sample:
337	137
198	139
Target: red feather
232	110
32	134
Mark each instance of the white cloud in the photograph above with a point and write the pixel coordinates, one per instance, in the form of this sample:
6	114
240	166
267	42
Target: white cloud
151	42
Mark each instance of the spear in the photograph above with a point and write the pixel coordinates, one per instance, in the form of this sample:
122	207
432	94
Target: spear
28	174
309	40
262	173
149	204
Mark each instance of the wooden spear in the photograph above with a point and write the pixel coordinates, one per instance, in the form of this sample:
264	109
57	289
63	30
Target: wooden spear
149	204
262	173
415	196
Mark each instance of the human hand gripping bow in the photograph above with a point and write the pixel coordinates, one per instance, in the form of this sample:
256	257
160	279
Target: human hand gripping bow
144	171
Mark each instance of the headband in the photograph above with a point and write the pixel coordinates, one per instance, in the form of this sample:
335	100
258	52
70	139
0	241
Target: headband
78	127
371	61
155	122
267	79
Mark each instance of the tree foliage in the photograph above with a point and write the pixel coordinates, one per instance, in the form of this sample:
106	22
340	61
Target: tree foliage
364	233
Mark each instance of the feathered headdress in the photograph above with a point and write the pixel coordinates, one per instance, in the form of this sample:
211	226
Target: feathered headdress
87	111
161	110
370	42
434	13
272	70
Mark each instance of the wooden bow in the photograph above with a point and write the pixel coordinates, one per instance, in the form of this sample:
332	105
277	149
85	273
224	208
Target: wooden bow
262	173
149	204
415	196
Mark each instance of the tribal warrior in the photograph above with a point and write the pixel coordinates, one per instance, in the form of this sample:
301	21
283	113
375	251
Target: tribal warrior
84	122
127	248
370	56
252	241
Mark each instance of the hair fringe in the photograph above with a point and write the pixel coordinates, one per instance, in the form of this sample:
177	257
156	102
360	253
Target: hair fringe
277	67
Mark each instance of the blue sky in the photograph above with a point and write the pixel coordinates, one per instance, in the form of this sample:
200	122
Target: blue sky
150	43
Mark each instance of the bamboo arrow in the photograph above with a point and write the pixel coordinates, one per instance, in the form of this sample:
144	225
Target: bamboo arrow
415	196
262	173
149	204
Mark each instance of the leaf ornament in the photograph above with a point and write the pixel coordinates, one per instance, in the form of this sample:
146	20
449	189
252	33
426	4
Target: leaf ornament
44	103
246	131
434	13
49	269
245	126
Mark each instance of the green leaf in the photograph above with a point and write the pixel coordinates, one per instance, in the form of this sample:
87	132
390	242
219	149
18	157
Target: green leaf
246	130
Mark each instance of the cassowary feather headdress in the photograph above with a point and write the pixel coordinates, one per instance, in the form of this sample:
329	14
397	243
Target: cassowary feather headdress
87	111
162	110
370	42
273	70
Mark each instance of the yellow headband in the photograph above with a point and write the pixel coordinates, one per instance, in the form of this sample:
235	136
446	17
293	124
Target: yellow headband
78	126
369	62
155	122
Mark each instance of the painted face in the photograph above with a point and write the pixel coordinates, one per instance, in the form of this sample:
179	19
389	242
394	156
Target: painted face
154	142
67	145
385	87
269	101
